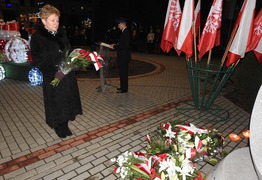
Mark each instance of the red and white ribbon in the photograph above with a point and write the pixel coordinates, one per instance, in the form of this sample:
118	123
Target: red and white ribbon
149	163
142	166
198	143
96	59
191	152
192	129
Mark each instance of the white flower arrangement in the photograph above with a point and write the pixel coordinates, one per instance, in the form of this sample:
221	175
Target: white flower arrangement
171	153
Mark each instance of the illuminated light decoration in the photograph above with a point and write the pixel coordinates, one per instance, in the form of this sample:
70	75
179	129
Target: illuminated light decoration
246	134
8	5
2	72
2	44
35	77
16	50
234	137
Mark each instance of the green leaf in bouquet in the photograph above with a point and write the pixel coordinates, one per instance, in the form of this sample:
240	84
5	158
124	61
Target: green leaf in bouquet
142	174
157	143
133	160
181	158
55	82
177	122
213	161
224	154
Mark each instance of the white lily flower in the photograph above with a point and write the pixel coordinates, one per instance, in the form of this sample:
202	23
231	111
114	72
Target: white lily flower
170	167
204	142
126	153
187	168
121	160
170	133
123	172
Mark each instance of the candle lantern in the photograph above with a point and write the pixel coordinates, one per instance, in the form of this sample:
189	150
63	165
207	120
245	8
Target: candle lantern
246	134
35	77
234	137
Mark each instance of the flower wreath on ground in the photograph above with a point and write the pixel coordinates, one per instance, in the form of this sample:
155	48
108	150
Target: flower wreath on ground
171	154
78	58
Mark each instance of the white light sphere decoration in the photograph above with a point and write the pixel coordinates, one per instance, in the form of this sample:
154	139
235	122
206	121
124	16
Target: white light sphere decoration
35	77
2	72
16	50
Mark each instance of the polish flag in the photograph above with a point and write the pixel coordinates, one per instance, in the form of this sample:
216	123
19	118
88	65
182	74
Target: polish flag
257	32
211	32
185	34
244	25
258	51
197	17
172	22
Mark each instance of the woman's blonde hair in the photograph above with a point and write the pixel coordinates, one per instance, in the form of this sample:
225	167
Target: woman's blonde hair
48	10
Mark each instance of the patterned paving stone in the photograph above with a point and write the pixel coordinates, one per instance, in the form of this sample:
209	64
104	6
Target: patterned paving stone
111	124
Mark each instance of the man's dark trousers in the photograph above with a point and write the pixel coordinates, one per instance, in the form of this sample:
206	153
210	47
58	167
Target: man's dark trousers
123	74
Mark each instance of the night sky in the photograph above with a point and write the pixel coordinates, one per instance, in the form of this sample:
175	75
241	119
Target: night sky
141	12
152	13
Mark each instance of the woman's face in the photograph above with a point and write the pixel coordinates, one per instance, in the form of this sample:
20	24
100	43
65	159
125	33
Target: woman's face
51	23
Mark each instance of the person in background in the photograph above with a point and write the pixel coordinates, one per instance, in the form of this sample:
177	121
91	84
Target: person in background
23	32
150	40
158	36
123	48
49	45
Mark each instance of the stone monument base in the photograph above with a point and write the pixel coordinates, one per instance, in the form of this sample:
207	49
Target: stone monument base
235	166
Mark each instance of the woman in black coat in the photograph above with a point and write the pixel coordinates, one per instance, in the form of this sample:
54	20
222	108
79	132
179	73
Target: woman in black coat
49	46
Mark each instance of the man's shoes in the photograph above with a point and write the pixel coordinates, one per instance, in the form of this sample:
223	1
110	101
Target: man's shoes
120	91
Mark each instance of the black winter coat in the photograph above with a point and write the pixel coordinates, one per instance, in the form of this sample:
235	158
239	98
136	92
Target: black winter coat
123	47
62	103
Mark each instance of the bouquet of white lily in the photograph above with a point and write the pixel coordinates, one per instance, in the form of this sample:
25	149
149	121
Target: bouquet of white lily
78	58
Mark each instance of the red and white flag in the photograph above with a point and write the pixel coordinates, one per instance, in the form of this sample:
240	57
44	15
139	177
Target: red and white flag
185	34
257	32
243	34
258	51
197	17
172	22
211	32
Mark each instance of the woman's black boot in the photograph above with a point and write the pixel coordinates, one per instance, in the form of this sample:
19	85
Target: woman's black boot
67	130
60	131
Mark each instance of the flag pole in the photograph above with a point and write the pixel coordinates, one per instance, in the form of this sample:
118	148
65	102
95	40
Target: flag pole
234	31
197	84
195	46
203	104
209	57
199	34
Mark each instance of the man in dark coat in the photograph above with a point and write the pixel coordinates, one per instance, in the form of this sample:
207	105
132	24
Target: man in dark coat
123	48
62	103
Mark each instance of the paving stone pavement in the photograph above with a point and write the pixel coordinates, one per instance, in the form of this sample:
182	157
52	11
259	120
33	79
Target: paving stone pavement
111	123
